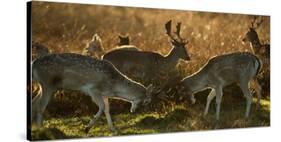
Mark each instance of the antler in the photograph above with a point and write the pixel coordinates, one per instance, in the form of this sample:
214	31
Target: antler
168	27
178	30
170	83
260	22
178	33
254	21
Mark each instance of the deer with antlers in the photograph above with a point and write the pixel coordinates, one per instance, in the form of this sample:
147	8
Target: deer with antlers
261	50
147	66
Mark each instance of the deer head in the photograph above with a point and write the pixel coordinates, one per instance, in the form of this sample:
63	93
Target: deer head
251	35
123	40
94	46
178	42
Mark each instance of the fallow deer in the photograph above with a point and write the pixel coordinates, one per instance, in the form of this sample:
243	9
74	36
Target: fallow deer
145	65
220	71
262	50
97	78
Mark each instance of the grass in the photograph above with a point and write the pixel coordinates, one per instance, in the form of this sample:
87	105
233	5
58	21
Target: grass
180	118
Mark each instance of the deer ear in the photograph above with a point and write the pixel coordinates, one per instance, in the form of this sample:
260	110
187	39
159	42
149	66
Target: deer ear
127	37
94	37
119	36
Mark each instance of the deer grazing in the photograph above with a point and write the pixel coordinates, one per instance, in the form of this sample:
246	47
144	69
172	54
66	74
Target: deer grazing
261	50
144	65
95	48
97	78
220	71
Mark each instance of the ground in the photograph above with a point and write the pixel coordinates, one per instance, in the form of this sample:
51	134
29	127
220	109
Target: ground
180	118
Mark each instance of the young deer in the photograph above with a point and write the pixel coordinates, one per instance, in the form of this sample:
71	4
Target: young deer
96	78
220	71
141	65
123	40
261	50
95	47
124	44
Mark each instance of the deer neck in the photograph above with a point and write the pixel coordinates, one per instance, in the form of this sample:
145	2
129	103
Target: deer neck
256	45
173	56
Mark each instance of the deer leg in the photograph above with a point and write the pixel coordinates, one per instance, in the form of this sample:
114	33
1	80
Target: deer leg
209	100
97	98
42	104
257	87
36	100
134	106
36	88
218	102
245	89
107	114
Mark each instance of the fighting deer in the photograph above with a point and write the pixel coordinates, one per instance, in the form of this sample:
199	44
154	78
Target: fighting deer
95	47
220	71
261	50
145	65
97	78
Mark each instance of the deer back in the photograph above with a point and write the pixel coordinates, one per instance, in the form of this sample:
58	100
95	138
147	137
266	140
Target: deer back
231	68
74	71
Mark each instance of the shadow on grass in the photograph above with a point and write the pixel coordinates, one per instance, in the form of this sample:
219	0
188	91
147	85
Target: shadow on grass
167	123
180	118
48	134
